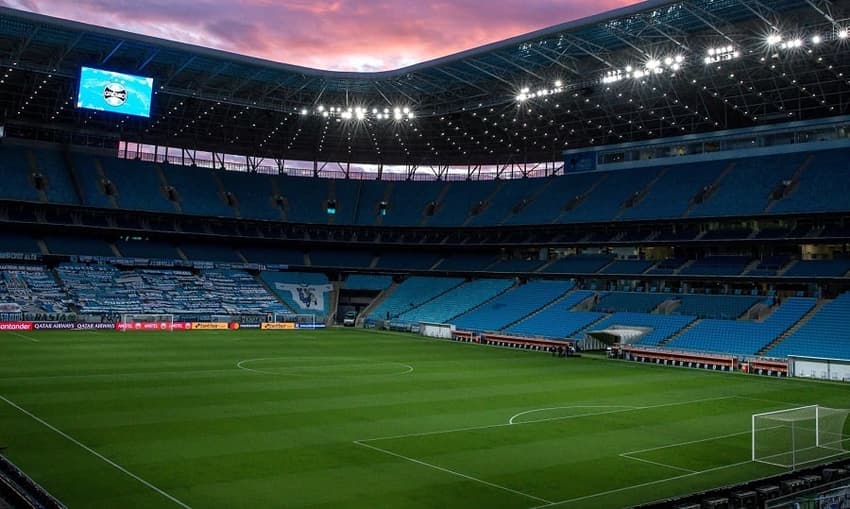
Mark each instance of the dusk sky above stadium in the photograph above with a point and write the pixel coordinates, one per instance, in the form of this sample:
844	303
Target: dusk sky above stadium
347	35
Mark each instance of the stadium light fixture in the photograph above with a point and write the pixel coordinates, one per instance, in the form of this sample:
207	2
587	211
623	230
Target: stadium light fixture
842	34
774	39
816	39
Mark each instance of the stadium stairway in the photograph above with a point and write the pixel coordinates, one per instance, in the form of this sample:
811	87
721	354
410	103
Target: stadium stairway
438	201
639	195
270	290
72	175
165	185
333	303
701	198
486	201
678	333
791	330
568	295
101	172
361	318
482	303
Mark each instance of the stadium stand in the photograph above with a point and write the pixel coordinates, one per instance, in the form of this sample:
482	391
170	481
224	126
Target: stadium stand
16	175
516	265
153	249
612	302
77	245
823	335
33	289
407	260
138	185
413	292
339	258
717	266
671	194
456	301
727	307
272	255
466	262
579	264
741	337
627	267
197	189
58	186
808	268
13	242
556	321
512	306
367	282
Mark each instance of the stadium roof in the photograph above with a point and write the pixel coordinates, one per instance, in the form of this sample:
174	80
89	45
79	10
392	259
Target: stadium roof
654	69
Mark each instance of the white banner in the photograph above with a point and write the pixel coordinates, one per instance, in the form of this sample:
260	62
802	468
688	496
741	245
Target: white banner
308	297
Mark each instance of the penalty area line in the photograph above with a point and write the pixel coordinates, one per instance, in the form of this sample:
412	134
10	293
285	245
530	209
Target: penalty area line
453	472
91	451
18	334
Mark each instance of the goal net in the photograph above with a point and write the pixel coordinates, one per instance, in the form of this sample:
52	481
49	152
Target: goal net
146	321
797	436
308	320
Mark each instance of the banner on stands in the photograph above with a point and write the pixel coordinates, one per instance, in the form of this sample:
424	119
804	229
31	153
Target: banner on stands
72	326
210	325
309	326
153	326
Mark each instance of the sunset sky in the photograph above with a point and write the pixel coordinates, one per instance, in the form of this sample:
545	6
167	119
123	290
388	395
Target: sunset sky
350	35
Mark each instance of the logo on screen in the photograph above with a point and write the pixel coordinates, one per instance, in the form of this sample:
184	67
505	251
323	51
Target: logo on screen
115	94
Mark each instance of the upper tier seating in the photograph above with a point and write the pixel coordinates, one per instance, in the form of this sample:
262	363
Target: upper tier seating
253	194
466	262
303	292
272	255
77	245
807	268
60	188
411	293
516	266
512	305
138	184
350	258
823	335
16	175
33	289
727	307
199	192
670	196
662	326
582	264
409	260
740	337
453	209
368	282
408	201
147	249
717	266
823	187
557	321
13	242
456	301
606	199
636	302
628	267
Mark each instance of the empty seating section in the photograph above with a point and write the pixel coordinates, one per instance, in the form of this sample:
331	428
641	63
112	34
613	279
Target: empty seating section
467	262
60	188
547	206
747	188
15	174
515	266
147	249
209	252
512	306
671	195
456	301
606	199
727	307
371	194
104	289
303	292
410	260
717	266
769	266
823	335
661	326
453	209
199	192
253	193
823	186
742	338
33	289
629	301
272	255
628	267
408	200
86	169
12	242
502	203
138	185
78	245
413	292
806	268
557	321
306	198
667	266
368	282
350	258
580	264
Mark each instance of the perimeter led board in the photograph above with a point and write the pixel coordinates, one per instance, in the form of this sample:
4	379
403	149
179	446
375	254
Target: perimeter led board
114	91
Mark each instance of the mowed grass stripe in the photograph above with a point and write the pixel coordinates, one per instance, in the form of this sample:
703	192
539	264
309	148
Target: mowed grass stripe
174	408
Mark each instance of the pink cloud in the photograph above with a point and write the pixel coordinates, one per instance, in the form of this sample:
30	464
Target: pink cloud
336	35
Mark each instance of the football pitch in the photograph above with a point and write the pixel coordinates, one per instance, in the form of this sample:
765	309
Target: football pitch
353	418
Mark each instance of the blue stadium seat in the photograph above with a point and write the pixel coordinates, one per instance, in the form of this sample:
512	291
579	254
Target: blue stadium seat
411	293
823	335
557	321
512	305
662	326
303	292
369	282
456	301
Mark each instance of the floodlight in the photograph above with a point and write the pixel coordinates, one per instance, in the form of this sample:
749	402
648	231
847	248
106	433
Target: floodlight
304	111
816	39
842	34
774	39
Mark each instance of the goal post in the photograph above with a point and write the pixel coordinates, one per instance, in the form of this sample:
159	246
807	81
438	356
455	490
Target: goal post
306	319
797	436
147	321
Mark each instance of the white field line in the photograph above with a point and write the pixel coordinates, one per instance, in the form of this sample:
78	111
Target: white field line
28	338
566	417
364	362
690	442
92	451
656	463
642	485
511	420
453	472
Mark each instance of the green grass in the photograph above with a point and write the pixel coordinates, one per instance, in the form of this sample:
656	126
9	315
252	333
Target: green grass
344	418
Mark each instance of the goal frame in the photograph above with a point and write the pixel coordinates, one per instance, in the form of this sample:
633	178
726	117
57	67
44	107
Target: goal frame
817	415
158	317
306	318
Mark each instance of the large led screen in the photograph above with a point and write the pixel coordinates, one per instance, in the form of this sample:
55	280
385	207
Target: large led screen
114	91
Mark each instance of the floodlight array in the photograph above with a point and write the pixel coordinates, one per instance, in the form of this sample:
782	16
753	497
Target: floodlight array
397	113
